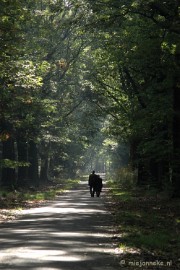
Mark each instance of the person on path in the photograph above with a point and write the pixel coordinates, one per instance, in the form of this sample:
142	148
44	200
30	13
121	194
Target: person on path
95	184
92	183
98	185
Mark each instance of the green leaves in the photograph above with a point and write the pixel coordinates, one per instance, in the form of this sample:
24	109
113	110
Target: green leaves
68	66
7	163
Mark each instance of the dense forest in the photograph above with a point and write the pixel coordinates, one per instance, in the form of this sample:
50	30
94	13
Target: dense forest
89	85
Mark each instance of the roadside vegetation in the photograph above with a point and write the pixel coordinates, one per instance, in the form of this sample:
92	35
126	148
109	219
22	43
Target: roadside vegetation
146	223
12	202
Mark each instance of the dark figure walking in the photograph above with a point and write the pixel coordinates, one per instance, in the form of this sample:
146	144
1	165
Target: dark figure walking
91	183
98	185
95	184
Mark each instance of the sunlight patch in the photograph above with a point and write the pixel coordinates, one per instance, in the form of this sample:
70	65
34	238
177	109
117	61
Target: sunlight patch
78	234
45	255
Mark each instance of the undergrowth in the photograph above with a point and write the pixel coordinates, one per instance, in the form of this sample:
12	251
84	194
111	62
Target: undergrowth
21	198
144	222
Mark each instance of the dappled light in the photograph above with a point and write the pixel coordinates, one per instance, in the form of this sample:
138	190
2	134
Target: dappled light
89	134
74	228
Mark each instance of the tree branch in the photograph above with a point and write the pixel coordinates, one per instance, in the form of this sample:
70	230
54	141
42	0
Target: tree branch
106	86
73	109
134	87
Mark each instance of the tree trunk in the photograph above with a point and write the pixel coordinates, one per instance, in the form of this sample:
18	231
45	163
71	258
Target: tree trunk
134	142
44	169
33	168
142	174
22	157
8	174
176	144
153	173
44	155
159	173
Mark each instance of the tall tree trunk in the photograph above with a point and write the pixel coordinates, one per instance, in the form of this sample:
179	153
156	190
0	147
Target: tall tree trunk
44	169
33	159
1	146
142	173
8	174
134	142
153	173
176	144
159	173
44	155
22	157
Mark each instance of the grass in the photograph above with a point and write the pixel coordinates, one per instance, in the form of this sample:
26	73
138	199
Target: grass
143	222
12	202
122	195
118	192
46	195
70	183
19	199
152	240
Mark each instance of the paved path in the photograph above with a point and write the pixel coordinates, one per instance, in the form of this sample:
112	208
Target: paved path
71	233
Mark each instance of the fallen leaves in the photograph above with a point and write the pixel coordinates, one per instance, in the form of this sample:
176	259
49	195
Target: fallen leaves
140	224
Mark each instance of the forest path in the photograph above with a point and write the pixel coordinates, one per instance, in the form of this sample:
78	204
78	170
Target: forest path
71	233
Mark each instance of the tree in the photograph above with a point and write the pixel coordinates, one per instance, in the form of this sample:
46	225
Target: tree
13	81
84	65
140	40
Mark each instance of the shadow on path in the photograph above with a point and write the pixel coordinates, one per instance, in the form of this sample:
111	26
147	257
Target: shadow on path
72	232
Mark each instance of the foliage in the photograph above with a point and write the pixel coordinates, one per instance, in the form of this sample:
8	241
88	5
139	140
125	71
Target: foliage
86	85
7	163
137	44
125	177
30	198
